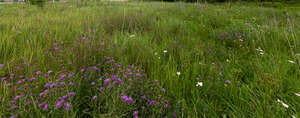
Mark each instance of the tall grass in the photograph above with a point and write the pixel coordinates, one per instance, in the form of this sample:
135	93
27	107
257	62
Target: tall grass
247	58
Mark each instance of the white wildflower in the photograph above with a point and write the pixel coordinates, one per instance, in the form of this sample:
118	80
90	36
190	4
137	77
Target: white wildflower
165	51
291	61
199	84
227	60
131	36
283	104
297	94
261	53
178	73
293	116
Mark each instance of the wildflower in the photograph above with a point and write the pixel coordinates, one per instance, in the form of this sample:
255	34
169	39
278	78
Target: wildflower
174	115
50	71
102	88
199	84
83	38
227	81
40	105
127	99
107	80
70	75
297	94
156	81
101	44
283	104
293	116
197	78
131	36
93	83
163	90
72	93
67	106
14	107
59	103
291	61
94	97
45	108
165	51
13	116
70	84
135	114
109	86
38	72
178	73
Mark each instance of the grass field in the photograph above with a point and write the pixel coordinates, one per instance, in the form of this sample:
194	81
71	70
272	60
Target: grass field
149	59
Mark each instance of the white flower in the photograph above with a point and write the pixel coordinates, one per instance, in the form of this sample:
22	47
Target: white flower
178	73
293	116
291	61
199	84
283	104
165	51
259	49
261	53
297	94
131	36
227	60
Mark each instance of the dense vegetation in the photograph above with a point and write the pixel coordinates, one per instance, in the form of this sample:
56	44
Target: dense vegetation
141	59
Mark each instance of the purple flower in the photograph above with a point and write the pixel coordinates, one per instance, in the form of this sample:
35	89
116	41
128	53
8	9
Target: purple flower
93	83
102	88
83	38
109	86
163	90
135	114
174	115
59	103
107	80
56	48
70	75
19	82
38	72
227	81
14	107
45	108
70	84
197	78
50	71
64	97
127	99
13	116
67	106
156	81
40	105
94	97
101	44
72	93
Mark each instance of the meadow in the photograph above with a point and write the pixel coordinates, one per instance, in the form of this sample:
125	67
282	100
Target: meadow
149	59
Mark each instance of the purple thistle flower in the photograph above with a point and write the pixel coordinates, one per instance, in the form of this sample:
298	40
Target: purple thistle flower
94	97
67	106
13	116
102	88
101	44
70	84
45	108
40	105
50	71
163	90
83	38
135	114
38	72
109	86
93	83
14	107
174	115
64	97
70	75
72	93
156	81
227	81
106	80
59	103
